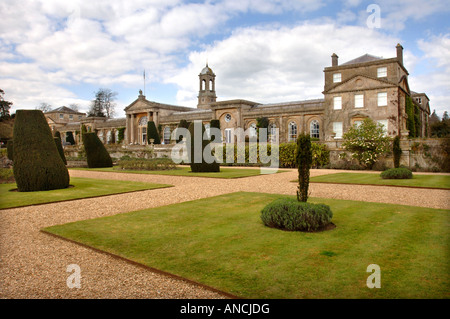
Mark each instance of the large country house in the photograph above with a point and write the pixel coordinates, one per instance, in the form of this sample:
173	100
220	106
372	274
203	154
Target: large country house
366	87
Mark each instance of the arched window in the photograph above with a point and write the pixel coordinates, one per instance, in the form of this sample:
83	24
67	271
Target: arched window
272	133
167	135
252	130
143	129
314	130
203	85
292	132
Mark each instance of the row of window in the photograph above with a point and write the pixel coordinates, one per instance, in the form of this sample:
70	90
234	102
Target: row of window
381	73
61	116
359	100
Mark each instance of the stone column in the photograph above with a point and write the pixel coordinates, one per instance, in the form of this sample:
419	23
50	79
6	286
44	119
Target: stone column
132	128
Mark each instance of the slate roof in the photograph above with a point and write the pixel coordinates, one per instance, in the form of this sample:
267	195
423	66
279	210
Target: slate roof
362	59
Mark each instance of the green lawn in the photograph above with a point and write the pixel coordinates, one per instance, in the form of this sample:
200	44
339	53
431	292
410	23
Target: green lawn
434	181
225	172
221	242
83	188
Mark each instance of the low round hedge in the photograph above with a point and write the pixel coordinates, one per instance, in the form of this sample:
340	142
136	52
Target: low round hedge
397	173
290	214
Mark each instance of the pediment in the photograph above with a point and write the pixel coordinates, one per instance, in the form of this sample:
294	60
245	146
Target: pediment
359	83
404	84
139	104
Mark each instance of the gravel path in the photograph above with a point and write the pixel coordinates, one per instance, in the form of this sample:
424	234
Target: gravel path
33	264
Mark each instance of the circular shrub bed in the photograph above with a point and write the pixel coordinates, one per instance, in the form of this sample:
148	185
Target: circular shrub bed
397	173
290	214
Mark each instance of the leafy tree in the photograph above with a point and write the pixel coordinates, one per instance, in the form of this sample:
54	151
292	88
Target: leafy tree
103	105
434	118
366	142
5	106
304	161
409	110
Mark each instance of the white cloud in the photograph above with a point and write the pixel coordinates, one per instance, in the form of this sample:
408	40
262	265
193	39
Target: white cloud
435	81
275	65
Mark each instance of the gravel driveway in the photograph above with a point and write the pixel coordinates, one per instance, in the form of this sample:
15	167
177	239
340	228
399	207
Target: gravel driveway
33	264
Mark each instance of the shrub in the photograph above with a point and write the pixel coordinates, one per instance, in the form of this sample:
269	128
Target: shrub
397	151
366	142
6	175
58	144
290	214
10	149
397	173
154	164
57	134
152	133
303	157
320	155
37	164
96	153
203	166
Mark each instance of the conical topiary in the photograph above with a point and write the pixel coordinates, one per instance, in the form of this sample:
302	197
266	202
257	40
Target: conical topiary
202	166
152	133
96	153
37	163
60	149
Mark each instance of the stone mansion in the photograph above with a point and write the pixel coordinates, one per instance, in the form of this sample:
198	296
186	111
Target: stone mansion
366	87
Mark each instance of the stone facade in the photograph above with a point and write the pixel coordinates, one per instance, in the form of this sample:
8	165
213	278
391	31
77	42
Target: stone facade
366	87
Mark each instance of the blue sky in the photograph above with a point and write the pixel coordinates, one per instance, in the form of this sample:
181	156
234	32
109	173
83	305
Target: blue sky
61	52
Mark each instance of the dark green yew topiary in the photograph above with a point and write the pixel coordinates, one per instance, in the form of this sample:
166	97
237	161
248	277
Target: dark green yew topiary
290	214
10	149
397	151
304	160
69	138
203	166
96	153
37	163
152	133
58	144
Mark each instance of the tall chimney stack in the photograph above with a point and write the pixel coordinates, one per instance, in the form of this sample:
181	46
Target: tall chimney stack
334	60
399	53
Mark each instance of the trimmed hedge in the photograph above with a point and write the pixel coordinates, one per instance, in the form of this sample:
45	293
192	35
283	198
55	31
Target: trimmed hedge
397	173
290	214
140	164
58	144
96	153
37	163
203	166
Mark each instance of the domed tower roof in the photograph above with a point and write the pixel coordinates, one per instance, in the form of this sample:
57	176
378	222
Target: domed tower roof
207	70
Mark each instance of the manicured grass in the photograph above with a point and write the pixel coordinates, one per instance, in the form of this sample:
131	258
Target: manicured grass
221	242
225	172
432	181
83	188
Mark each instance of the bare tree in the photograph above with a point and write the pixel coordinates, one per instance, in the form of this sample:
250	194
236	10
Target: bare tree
44	107
74	107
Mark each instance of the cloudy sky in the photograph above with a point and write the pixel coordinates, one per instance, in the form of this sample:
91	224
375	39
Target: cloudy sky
62	52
